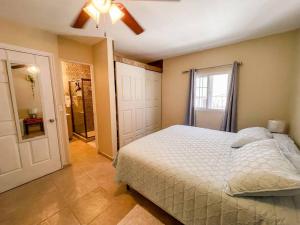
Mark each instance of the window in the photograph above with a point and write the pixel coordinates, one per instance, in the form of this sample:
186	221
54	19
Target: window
211	90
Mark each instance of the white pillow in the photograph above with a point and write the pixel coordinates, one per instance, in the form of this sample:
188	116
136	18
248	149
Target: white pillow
251	134
294	158
289	149
287	144
260	169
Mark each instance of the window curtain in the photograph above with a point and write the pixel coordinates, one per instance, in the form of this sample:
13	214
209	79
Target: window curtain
229	122
190	115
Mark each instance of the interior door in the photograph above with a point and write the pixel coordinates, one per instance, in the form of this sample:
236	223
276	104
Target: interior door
131	102
153	101
28	133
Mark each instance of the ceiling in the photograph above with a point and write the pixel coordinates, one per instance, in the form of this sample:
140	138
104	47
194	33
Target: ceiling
172	28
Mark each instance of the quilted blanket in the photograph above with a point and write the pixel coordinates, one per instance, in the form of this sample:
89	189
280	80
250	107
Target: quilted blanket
183	170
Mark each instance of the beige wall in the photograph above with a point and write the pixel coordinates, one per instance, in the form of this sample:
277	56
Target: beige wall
27	37
74	51
105	97
101	57
264	80
295	95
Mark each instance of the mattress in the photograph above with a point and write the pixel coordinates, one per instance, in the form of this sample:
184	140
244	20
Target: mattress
183	169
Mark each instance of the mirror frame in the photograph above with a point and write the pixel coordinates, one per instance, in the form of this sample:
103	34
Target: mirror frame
14	102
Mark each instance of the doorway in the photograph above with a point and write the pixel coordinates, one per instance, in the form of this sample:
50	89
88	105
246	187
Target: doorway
79	101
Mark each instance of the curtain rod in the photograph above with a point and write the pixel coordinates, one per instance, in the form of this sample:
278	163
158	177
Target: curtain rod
239	63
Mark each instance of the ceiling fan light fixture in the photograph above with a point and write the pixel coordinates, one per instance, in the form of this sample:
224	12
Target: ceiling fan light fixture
102	5
115	13
92	12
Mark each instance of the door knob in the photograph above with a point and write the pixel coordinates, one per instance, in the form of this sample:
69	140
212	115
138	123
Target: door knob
51	120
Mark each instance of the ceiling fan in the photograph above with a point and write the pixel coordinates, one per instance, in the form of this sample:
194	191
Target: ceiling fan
117	11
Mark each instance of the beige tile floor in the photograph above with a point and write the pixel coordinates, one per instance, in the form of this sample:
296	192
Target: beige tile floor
84	193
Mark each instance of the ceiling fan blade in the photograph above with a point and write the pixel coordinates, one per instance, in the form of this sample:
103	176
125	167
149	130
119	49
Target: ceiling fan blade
81	19
129	20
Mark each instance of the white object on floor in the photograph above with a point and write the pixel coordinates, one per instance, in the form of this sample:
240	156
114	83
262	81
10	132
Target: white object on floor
139	216
92	143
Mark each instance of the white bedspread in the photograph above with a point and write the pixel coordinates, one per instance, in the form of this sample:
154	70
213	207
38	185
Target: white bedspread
182	170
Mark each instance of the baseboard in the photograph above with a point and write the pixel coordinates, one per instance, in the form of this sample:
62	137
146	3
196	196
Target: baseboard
106	156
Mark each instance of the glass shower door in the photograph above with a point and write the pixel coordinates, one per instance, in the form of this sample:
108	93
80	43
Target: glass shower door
82	108
88	107
77	107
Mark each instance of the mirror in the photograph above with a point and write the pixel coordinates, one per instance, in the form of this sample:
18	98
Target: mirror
27	101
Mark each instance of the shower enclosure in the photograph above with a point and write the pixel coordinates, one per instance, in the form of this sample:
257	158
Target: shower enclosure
82	108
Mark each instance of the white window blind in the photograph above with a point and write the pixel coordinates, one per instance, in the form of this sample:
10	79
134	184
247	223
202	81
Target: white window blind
211	90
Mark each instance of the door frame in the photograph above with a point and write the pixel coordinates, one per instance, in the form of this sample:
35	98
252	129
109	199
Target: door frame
59	110
61	60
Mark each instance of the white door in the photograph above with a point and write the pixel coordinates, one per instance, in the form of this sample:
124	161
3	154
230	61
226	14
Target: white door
29	145
139	102
131	102
153	101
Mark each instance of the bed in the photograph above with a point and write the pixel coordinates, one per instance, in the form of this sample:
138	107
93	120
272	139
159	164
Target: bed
182	170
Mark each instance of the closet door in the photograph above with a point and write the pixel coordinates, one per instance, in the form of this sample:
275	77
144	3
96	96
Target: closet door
153	101
28	134
131	102
139	102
